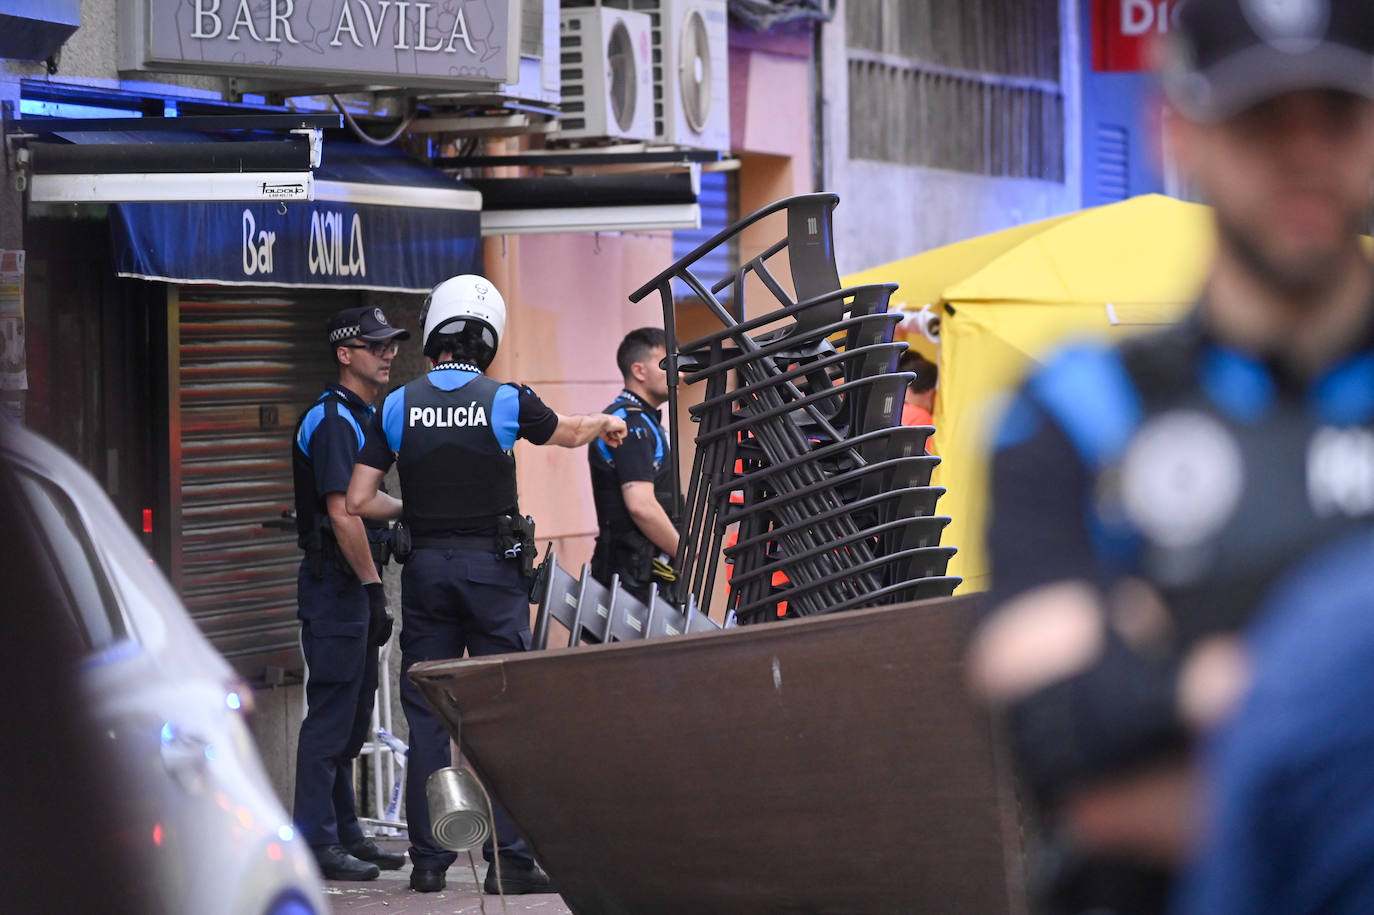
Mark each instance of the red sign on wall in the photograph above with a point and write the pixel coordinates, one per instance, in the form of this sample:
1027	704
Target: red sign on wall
1123	31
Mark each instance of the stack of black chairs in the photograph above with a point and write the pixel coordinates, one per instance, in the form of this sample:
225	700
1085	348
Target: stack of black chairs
800	456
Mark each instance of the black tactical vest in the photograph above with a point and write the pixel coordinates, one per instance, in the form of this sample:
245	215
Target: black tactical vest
455	476
612	515
1221	473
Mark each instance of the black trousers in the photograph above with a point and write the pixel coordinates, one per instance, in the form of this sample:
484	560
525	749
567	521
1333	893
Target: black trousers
340	686
454	601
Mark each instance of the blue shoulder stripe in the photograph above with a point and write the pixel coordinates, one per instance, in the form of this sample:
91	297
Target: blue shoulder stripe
1237	383
505	416
313	417
393	418
1087	390
348	415
1019	421
1345	395
660	444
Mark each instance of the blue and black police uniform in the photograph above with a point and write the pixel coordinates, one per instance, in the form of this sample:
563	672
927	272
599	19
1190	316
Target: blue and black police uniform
334	612
644	457
450	434
1173	459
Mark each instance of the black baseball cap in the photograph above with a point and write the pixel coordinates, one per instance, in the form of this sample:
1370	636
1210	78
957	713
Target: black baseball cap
1223	56
366	322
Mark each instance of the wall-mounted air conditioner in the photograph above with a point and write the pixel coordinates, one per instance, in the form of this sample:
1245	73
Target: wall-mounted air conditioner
539	53
691	72
607	74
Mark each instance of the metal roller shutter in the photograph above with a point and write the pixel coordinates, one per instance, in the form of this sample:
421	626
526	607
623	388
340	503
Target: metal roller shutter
249	363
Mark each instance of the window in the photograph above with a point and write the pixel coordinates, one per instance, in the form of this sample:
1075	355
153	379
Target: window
87	593
971	86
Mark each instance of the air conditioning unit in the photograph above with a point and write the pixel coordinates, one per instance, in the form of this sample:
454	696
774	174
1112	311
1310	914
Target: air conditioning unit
607	74
539	54
691	72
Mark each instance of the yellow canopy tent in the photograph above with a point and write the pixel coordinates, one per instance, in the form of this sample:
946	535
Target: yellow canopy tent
1007	298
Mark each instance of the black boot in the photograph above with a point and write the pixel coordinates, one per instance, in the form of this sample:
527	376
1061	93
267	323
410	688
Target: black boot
366	850
516	879
426	881
337	864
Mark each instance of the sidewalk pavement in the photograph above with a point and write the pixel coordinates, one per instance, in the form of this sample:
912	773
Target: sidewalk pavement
391	893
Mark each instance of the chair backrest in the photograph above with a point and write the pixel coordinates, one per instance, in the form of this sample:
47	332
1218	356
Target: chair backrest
916	533
878	406
922	562
902	473
595	600
664	618
560	602
628	616
811	251
700	622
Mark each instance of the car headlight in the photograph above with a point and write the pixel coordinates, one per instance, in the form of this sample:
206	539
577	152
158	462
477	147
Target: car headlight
238	697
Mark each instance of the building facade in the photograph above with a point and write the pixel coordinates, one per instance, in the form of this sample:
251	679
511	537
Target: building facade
170	344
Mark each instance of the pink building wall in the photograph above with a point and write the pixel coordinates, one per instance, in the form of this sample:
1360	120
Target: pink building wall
567	294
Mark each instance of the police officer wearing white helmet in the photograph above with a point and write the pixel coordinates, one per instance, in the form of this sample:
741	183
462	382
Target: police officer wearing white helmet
450	434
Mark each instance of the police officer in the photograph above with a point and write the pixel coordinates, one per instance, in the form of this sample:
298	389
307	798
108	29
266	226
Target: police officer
634	486
450	434
343	612
1145	497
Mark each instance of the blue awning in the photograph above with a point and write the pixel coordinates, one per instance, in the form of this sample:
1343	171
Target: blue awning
380	220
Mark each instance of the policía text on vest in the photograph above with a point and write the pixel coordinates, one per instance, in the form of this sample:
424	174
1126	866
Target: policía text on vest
474	414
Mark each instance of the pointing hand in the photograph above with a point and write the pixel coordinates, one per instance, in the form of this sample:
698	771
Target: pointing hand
613	432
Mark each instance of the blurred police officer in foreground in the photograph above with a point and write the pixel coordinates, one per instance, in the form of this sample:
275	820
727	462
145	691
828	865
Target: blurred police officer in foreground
1145	497
634	486
344	617
464	585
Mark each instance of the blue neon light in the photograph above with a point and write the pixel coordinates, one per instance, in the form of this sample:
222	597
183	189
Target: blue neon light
34	108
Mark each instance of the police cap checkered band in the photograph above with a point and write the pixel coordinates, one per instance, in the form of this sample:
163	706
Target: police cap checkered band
366	322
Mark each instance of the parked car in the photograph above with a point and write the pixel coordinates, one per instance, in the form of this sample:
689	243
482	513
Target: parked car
199	823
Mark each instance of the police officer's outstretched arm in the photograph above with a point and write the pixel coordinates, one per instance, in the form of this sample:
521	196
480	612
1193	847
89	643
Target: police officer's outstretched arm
585	428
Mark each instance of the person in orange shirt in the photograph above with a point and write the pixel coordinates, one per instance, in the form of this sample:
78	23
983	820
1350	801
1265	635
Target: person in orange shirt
920	392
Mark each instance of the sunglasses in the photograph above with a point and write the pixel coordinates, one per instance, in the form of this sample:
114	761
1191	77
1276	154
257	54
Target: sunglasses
380	350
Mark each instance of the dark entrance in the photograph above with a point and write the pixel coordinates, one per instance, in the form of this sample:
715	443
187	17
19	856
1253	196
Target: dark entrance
97	363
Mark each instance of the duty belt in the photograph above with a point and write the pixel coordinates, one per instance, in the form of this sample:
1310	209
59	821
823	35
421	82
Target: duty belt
455	541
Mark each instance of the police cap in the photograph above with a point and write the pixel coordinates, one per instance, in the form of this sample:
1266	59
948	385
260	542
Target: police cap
1224	56
366	322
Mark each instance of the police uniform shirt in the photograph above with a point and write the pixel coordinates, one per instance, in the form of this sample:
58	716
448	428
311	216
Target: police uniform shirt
454	404
327	441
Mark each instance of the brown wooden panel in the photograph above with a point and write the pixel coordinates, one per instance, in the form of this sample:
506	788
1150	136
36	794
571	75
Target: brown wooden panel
831	764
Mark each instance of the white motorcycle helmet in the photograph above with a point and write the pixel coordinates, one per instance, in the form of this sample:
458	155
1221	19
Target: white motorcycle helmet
468	305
